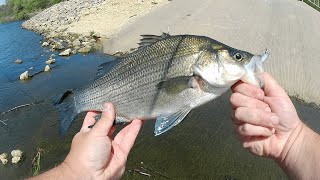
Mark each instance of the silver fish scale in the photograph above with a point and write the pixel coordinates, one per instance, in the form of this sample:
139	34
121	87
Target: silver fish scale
132	84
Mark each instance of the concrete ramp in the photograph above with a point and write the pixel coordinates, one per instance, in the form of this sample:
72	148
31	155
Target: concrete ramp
290	29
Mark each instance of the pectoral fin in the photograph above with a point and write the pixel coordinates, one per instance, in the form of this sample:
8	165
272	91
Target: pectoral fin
166	122
177	84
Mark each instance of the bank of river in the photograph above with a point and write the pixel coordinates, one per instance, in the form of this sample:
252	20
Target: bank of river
203	146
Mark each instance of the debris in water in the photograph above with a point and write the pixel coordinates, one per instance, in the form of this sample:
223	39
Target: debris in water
4	158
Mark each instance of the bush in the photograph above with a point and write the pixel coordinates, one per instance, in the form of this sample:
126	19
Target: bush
20	9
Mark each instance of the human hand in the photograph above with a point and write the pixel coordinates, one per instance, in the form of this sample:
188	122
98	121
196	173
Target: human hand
265	120
94	154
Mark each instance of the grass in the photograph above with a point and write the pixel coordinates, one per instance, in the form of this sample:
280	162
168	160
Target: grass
36	162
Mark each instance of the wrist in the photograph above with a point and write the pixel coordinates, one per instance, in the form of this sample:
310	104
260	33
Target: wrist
299	158
73	171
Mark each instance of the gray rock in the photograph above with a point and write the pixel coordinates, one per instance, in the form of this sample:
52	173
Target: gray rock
24	75
76	43
47	68
18	61
66	52
45	44
96	35
77	47
57	46
50	61
85	49
86	43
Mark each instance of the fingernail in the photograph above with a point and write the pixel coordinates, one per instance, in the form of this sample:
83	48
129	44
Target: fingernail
275	120
106	107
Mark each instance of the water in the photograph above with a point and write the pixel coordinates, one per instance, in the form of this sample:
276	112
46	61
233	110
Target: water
203	146
28	127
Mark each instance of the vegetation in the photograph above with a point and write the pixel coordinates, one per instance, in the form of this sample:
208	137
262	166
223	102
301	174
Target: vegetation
14	10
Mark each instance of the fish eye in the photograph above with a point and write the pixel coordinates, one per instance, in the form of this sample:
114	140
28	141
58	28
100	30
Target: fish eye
238	56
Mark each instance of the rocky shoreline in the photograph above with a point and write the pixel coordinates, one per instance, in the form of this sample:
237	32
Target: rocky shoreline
78	25
52	24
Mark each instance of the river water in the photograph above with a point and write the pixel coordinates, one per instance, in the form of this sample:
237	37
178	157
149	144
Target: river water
203	146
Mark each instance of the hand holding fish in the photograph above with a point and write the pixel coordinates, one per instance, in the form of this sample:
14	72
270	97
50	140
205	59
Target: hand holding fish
94	153
268	125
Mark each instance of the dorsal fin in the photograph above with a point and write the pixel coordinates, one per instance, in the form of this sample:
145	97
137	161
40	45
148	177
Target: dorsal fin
148	39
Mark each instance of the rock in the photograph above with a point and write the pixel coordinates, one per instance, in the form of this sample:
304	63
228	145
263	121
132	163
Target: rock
96	35
58	46
4	161
85	49
86	43
87	34
24	75
74	51
80	38
47	68
16	153
66	52
3	156
45	44
15	160
18	61
76	42
50	61
52	56
77	47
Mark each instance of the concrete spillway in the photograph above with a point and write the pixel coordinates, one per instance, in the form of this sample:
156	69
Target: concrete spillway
290	30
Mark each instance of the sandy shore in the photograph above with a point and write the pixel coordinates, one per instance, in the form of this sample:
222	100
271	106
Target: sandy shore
111	16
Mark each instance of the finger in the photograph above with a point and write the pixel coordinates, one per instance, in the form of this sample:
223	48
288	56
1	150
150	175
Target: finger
240	100
88	121
248	90
104	125
271	86
255	116
252	130
126	137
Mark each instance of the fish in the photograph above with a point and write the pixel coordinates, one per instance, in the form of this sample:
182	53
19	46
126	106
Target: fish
164	79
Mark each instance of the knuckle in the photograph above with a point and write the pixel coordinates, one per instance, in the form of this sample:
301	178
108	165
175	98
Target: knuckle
244	128
238	112
234	98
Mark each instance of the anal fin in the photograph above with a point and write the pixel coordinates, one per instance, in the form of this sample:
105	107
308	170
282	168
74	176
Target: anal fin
166	122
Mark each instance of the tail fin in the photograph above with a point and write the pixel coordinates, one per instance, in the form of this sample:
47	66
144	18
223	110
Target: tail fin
67	111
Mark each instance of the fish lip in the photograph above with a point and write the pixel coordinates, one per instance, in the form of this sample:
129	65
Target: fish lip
254	69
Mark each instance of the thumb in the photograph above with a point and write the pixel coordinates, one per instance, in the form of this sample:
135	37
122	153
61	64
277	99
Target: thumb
271	86
103	126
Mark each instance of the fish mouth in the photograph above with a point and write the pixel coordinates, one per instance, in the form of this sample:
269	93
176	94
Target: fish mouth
255	69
